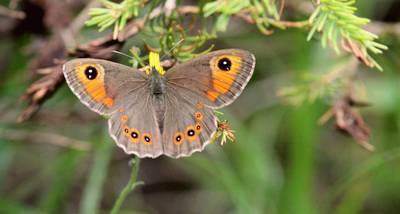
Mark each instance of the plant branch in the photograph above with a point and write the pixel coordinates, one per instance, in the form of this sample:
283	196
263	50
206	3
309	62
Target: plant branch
130	186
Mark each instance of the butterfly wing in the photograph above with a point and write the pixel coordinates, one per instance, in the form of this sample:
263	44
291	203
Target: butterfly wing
188	125
97	82
134	127
217	78
194	89
120	91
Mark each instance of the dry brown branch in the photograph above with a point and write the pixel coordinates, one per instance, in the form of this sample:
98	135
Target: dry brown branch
246	17
348	121
291	24
355	49
51	50
40	90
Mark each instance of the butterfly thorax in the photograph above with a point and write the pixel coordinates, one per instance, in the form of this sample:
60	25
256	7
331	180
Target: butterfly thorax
157	84
157	88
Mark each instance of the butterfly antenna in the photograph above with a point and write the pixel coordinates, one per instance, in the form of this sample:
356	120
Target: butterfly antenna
170	50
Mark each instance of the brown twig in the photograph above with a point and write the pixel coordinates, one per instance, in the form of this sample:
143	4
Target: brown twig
292	24
40	90
246	17
52	49
282	7
355	49
349	121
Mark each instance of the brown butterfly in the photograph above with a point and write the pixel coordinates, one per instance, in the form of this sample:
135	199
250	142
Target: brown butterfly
159	113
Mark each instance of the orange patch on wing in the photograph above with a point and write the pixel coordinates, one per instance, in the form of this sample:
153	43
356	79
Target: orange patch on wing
190	134
198	115
200	105
94	87
212	95
178	138
126	131
222	80
124	118
198	127
108	101
146	138
134	135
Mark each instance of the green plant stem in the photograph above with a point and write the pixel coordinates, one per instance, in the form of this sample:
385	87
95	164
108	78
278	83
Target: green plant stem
132	183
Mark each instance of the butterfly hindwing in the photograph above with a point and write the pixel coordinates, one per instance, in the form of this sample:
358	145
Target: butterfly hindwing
188	125
134	126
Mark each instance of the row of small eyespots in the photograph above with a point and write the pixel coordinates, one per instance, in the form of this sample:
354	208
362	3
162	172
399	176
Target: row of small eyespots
135	136
191	134
198	116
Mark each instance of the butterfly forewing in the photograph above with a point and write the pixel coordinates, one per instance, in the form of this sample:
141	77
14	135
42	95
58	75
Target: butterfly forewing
98	82
217	78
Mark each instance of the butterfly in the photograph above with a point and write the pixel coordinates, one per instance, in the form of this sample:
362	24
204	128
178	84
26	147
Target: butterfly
161	112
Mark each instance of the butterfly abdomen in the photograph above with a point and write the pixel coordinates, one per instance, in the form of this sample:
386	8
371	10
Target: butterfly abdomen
158	90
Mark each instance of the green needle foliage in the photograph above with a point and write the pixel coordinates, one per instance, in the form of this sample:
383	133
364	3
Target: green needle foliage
175	39
260	11
336	20
114	14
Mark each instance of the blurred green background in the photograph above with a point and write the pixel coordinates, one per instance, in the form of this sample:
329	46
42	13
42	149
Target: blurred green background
281	162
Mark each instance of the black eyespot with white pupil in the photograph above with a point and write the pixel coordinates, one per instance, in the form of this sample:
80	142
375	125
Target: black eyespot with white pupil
190	132
225	64
91	73
147	139
134	135
198	127
178	138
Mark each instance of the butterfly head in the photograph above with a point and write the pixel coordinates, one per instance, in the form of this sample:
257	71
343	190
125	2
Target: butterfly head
155	64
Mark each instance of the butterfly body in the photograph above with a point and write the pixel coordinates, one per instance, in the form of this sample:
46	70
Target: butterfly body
153	113
157	84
